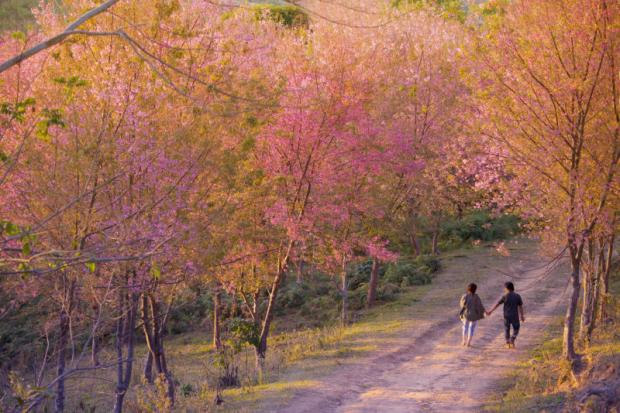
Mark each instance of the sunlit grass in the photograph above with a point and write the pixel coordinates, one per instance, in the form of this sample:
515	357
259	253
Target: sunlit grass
543	381
300	359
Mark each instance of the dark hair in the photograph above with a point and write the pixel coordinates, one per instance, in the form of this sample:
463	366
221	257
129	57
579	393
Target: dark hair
472	288
509	286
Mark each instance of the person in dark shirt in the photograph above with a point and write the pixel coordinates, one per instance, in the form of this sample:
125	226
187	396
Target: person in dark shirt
513	312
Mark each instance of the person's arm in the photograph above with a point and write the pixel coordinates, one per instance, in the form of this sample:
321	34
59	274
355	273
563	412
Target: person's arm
520	309
492	309
500	302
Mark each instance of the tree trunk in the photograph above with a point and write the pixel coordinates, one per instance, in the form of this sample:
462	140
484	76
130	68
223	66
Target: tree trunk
344	291
590	277
435	241
125	335
146	327
587	304
372	284
300	271
261	350
95	351
415	245
153	326
217	342
64	326
147	373
234	307
600	270
568	345
59	405
604	284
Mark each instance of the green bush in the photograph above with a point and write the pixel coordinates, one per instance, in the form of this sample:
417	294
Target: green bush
481	225
387	291
357	297
324	305
293	296
190	314
428	263
416	271
187	390
359	273
21	331
243	332
287	16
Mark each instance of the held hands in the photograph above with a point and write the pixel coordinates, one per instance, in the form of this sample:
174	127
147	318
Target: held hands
488	313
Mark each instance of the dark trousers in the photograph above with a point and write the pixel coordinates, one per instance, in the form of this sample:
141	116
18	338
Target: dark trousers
514	322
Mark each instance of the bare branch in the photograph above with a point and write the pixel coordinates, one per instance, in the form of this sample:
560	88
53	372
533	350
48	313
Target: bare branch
70	30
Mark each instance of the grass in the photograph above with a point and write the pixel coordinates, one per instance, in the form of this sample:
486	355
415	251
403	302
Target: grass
295	359
16	14
533	386
543	383
376	329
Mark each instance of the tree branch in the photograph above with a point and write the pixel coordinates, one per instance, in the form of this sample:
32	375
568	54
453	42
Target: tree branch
70	30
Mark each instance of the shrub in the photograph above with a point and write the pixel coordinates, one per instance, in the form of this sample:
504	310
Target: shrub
418	271
357	297
428	264
359	274
293	296
243	332
324	305
187	390
186	317
286	15
480	225
387	291
20	332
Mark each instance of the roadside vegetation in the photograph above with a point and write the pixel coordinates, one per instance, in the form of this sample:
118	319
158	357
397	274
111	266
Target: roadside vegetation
262	176
307	332
546	383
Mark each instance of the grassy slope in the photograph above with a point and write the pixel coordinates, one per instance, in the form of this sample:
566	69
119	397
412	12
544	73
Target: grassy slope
293	359
318	354
543	383
15	14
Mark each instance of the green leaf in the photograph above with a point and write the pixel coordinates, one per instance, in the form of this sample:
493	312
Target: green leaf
42	131
155	271
51	117
26	248
10	228
91	266
21	36
18	110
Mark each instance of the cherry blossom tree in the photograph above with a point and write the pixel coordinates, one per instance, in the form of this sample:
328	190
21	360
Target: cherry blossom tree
550	87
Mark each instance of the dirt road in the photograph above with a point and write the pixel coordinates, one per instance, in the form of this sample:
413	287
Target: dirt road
426	369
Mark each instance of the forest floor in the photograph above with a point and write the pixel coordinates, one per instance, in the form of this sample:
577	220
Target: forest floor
418	363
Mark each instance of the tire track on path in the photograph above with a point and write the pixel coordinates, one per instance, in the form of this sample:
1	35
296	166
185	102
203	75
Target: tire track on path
427	370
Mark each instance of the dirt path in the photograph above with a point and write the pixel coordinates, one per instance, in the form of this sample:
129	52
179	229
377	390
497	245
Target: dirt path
426	369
